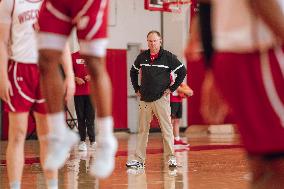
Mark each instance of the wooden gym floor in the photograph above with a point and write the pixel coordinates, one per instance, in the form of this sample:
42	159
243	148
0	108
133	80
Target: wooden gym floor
212	162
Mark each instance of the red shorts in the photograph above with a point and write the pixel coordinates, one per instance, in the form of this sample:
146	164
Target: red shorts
255	91
25	81
58	17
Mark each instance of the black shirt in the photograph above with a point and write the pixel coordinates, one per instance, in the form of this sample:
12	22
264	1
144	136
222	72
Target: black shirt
156	74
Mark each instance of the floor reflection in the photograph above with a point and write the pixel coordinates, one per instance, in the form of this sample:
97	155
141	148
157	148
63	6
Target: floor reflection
210	163
159	177
76	171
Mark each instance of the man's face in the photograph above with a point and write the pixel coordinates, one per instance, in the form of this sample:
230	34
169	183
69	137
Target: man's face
154	42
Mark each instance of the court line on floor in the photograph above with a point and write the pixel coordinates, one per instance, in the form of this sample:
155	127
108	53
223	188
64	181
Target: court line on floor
36	160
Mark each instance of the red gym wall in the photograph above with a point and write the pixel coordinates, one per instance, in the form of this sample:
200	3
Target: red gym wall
117	68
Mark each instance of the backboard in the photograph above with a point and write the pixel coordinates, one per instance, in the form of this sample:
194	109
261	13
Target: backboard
165	5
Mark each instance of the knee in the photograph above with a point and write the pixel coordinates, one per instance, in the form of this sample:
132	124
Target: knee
17	138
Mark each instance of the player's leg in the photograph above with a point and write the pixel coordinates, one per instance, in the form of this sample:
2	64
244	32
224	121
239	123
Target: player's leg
15	149
80	107
175	123
51	79
93	40
101	89
52	39
61	138
174	119
101	94
176	115
17	109
51	176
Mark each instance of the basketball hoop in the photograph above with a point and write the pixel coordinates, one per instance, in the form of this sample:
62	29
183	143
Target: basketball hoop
174	5
165	5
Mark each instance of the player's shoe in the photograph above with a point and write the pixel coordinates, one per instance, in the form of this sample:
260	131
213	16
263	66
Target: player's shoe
172	162
82	146
135	164
104	161
180	143
59	148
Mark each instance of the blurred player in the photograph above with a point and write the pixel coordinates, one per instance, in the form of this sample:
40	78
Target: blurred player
56	20
248	70
20	86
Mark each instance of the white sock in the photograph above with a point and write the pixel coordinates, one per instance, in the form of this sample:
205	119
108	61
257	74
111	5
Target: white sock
15	185
105	127
52	184
177	138
57	123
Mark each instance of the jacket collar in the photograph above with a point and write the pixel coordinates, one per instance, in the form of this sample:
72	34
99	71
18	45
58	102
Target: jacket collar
160	52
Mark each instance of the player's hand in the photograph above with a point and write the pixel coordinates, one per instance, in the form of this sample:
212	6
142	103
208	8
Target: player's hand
69	87
87	78
79	81
214	109
5	90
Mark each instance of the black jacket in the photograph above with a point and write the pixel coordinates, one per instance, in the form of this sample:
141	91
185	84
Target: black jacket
156	75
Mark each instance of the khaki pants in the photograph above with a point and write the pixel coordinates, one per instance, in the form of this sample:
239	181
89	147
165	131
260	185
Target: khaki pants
161	108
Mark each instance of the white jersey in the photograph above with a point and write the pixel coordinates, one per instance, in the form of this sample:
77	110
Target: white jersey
21	15
236	28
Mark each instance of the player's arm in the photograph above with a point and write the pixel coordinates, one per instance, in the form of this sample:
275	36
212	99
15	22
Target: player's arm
271	14
193	48
5	24
205	28
69	82
4	40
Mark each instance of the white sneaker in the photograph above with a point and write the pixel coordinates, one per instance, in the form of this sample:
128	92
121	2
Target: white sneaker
104	161
93	146
172	161
58	149
134	164
82	146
